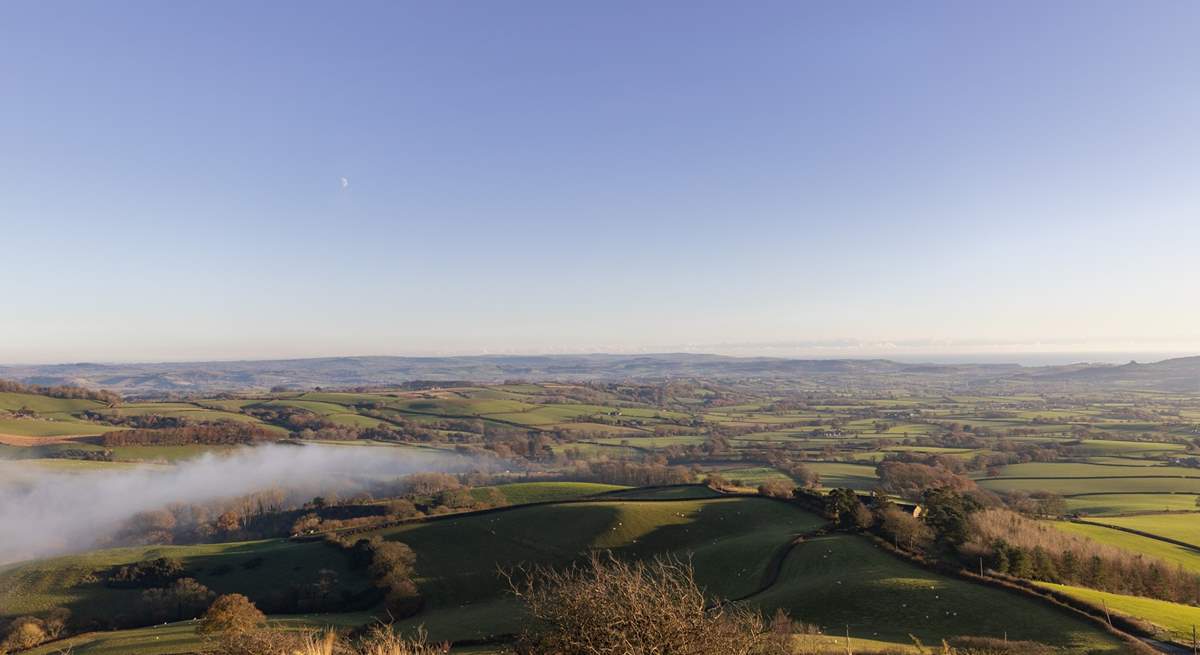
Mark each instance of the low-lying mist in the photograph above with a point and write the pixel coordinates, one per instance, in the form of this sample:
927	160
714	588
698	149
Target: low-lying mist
45	512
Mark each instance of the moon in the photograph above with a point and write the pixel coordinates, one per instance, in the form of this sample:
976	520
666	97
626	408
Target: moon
345	182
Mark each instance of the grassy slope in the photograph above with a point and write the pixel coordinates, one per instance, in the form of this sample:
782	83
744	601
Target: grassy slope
157	640
1181	527
29	427
172	638
1106	447
37	586
55	416
1077	469
1106	504
1066	486
1162	550
46	404
1172	617
854	476
731	540
843	580
683	492
520	493
833	474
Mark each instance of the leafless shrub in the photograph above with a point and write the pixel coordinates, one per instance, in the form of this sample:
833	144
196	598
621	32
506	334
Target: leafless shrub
606	606
380	640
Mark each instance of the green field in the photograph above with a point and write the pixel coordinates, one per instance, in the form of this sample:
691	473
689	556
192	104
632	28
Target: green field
833	474
853	476
844	580
28	427
354	420
164	453
1106	447
46	404
520	493
1173	619
1186	557
681	492
32	466
651	442
735	541
181	637
38	586
1073	486
156	640
1108	504
1180	527
1125	461
1080	470
753	475
731	541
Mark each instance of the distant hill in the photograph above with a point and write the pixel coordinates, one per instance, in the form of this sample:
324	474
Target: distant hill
1180	375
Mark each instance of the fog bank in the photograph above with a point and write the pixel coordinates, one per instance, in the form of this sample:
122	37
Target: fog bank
48	512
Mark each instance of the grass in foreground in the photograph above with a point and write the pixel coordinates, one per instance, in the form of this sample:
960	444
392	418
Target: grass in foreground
156	640
181	637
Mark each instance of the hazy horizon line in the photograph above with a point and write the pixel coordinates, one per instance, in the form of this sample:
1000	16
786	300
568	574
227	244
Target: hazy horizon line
1030	357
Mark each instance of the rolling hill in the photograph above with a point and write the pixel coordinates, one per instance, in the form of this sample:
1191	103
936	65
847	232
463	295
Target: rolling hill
1181	374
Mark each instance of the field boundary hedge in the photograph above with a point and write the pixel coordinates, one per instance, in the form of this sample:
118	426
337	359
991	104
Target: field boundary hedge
1124	628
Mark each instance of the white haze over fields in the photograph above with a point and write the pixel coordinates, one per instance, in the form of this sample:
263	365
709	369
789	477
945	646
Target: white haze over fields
44	511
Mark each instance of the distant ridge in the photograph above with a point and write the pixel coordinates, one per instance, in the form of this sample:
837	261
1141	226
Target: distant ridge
1179	374
1176	375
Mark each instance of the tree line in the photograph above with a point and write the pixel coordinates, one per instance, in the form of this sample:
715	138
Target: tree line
64	391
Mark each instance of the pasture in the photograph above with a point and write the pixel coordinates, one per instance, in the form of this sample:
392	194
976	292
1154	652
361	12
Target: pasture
1114	447
10	401
521	493
731	542
180	637
1171	553
257	569
45	427
1115	484
736	543
1180	527
844	580
679	492
1174	620
166	639
833	474
1113	504
1086	470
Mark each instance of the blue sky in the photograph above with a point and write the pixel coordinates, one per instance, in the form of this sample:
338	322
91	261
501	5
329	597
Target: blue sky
837	178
